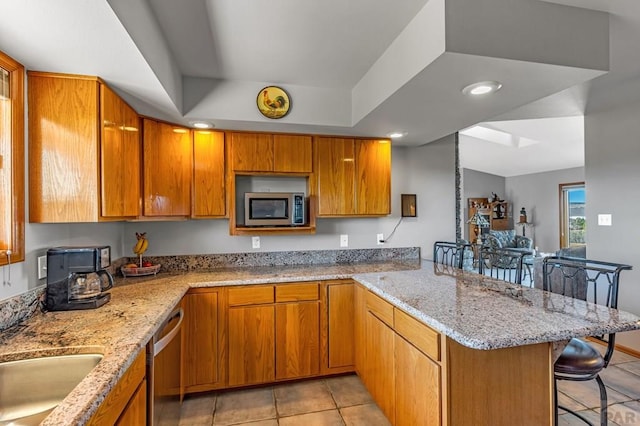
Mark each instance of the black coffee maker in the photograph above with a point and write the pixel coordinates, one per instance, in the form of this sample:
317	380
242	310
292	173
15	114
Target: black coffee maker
77	277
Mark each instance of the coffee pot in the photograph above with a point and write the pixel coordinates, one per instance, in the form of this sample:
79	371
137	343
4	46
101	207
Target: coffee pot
77	277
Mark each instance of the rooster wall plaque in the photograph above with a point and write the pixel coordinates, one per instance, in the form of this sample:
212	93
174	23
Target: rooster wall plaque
273	102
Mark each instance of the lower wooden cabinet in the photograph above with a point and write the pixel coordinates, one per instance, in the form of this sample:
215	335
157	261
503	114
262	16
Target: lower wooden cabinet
204	363
124	404
297	340
337	326
417	386
135	413
397	360
251	345
379	367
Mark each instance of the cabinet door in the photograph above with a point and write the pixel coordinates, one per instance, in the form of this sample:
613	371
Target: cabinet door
360	311
379	364
373	177
335	175
292	153
340	323
167	151
209	197
417	385
63	149
120	157
201	363
251	152
135	412
251	334
297	339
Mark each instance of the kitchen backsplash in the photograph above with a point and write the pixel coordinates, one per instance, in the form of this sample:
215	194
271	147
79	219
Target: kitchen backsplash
21	307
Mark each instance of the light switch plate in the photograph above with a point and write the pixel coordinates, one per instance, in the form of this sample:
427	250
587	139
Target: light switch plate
344	240
604	220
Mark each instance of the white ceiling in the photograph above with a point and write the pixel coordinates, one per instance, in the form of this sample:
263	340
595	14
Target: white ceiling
361	67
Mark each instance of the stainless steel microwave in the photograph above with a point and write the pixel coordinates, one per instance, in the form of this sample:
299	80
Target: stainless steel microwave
274	209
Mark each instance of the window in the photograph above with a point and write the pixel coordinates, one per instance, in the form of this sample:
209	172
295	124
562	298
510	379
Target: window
11	160
573	225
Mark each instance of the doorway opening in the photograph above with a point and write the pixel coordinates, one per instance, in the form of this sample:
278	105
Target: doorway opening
573	223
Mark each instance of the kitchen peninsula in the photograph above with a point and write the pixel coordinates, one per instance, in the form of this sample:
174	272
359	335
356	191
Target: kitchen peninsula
483	339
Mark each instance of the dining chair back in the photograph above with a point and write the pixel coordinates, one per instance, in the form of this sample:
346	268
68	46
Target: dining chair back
592	281
501	263
450	253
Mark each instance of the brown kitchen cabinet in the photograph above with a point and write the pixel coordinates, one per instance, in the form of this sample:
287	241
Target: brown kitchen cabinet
167	164
274	332
353	176
119	156
338	329
204	362
127	400
266	153
209	193
84	151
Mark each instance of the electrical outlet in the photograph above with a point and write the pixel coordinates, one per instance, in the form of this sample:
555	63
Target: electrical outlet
255	242
380	239
42	267
344	240
604	220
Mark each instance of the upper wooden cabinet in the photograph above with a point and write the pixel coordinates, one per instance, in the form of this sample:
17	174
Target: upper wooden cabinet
264	152
209	196
167	163
83	152
353	177
120	147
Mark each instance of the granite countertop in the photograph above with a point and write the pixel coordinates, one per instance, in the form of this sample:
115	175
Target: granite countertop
476	311
484	313
138	307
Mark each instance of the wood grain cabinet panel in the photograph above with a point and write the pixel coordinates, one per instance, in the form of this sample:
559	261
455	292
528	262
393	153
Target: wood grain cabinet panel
63	148
120	157
135	413
84	151
373	177
379	371
340	323
251	334
297	340
251	152
167	163
209	196
335	176
203	362
292	153
353	177
417	385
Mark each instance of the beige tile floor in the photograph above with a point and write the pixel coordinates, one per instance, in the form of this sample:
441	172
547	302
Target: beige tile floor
344	401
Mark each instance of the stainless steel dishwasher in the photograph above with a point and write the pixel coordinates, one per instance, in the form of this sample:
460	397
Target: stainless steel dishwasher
164	372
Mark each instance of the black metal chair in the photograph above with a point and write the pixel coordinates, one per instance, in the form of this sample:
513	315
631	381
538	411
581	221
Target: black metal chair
592	281
502	263
450	253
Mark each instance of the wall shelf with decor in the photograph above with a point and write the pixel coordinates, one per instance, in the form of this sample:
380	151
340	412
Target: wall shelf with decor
496	214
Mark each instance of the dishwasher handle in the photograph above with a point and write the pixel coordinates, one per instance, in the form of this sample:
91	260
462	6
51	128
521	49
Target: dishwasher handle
166	339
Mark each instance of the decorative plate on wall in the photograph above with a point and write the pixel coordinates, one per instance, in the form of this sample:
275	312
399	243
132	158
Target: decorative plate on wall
273	102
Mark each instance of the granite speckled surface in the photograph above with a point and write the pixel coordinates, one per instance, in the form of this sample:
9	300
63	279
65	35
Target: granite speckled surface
476	311
483	313
122	327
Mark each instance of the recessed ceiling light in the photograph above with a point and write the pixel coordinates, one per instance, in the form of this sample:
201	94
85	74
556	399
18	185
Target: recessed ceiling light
397	135
201	125
482	88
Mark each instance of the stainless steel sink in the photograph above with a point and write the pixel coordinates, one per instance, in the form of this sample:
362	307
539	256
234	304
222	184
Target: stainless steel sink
31	388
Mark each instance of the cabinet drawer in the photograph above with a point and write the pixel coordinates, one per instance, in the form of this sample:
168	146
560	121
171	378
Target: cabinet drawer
383	310
254	295
418	334
296	292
